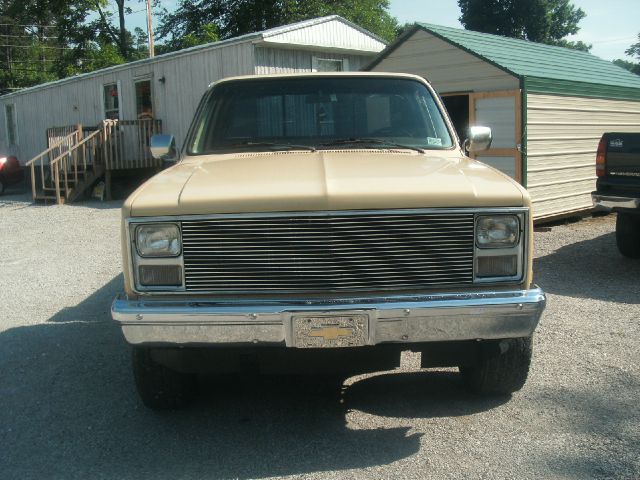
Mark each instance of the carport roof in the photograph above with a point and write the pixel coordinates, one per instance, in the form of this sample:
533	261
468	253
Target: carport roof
543	68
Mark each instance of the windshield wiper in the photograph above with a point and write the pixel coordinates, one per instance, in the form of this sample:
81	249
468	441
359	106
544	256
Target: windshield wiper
288	146
370	141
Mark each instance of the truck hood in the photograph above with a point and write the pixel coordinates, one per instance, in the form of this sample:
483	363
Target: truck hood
323	180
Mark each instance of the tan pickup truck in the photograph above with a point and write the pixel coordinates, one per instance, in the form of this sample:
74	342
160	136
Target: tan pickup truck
324	223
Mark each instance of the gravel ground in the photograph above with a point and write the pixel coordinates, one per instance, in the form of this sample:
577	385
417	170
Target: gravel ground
68	408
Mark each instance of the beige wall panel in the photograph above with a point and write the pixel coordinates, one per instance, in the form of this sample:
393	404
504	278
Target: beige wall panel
560	162
543	131
562	140
448	68
560	176
550	208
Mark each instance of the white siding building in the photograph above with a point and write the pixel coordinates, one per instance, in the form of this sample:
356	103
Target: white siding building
547	106
168	87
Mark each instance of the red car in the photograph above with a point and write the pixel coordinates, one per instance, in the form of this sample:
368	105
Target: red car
10	172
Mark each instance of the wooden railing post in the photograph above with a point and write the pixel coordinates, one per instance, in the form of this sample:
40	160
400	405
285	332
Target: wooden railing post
56	178
68	159
33	181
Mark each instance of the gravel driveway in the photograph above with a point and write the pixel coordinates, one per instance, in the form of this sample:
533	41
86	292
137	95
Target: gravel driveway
68	408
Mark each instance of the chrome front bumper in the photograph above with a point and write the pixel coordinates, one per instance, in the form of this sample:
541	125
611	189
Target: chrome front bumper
402	318
609	202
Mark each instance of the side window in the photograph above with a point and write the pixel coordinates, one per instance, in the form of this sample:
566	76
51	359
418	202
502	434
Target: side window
12	126
111	101
329	65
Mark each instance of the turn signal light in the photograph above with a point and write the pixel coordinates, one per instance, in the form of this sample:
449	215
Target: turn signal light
160	275
600	157
499	266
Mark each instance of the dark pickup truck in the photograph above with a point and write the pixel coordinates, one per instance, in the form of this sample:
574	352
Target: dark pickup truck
618	187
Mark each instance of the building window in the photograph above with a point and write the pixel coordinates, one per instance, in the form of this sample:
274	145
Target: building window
144	101
111	101
328	65
10	122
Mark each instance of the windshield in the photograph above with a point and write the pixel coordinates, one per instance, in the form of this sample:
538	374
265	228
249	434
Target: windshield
349	112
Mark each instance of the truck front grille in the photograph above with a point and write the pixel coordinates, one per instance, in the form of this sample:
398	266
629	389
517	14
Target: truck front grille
332	251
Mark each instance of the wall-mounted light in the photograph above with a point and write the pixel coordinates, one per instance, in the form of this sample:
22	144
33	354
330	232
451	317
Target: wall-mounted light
162	79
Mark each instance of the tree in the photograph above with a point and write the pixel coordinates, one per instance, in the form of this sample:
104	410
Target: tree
230	18
44	40
633	50
543	21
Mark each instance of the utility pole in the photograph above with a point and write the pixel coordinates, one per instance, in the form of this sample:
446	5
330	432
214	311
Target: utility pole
150	29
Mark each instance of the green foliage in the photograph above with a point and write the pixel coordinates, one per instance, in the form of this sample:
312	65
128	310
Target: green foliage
238	17
543	21
633	50
44	40
579	45
208	33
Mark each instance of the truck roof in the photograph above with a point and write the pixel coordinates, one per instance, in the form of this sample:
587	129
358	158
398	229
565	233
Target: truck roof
321	74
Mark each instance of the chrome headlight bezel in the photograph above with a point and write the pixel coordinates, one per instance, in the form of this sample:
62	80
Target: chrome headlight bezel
140	258
143	236
516	248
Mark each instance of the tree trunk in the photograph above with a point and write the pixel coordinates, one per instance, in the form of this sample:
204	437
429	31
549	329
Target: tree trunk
122	33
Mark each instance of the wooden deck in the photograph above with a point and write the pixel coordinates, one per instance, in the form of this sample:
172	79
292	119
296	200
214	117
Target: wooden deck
77	156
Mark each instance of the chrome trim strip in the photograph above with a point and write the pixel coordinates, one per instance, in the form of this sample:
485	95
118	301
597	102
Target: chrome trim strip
609	202
327	213
402	318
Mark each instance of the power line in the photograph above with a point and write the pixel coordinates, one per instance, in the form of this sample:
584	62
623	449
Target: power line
32	25
48	60
32	35
37	47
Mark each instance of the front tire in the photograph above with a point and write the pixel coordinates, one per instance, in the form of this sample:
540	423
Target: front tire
628	234
160	387
501	370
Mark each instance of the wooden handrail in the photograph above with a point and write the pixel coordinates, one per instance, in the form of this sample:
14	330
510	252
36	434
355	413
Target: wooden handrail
51	148
75	147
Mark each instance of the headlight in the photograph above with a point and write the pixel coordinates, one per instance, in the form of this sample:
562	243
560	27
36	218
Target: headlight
497	231
158	240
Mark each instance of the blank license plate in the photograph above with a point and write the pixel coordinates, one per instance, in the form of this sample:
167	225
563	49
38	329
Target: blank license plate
329	331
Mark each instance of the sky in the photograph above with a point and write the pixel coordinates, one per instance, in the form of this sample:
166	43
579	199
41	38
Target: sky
611	26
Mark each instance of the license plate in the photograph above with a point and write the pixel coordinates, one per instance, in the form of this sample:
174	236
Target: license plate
330	331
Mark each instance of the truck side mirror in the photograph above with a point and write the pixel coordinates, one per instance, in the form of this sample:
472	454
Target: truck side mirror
479	138
163	147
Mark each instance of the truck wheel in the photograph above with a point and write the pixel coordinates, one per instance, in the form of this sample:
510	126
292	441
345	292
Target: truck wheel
1	185
159	387
501	370
628	234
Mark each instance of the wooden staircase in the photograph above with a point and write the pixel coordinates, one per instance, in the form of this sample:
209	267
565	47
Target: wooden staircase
77	157
66	169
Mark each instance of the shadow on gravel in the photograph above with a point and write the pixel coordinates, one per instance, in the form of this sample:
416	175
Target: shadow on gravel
69	410
417	395
600	421
590	269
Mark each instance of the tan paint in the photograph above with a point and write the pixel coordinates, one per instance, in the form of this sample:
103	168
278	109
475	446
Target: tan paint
324	180
327	180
